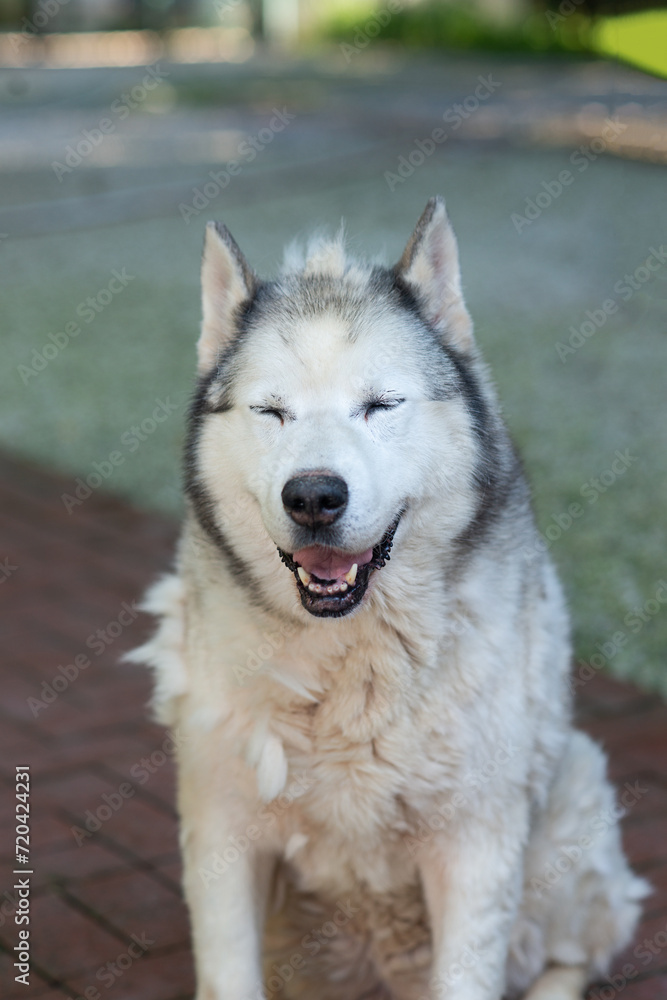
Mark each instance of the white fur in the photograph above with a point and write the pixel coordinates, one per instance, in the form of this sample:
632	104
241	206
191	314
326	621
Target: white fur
165	651
417	756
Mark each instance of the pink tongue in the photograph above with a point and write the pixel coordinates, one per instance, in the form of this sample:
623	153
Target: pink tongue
327	564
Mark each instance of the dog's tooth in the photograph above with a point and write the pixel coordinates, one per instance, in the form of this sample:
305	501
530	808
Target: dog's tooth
352	575
343	587
303	576
312	587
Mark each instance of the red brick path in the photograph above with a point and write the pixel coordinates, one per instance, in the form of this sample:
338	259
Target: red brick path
73	575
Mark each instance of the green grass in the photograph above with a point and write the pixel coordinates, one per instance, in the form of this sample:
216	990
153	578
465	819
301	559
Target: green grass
640	39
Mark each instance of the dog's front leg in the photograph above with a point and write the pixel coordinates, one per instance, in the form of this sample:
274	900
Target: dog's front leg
472	887
226	879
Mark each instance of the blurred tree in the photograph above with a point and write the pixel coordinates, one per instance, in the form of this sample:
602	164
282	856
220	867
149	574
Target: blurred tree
256	8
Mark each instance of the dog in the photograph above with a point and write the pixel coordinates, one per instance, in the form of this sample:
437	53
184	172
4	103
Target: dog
365	650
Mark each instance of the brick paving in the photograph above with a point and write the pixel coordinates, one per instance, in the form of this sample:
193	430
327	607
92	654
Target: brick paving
107	917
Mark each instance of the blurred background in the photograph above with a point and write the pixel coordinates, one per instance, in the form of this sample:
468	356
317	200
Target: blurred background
126	124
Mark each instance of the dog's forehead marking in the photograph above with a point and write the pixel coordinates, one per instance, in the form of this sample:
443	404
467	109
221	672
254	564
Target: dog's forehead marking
317	356
342	333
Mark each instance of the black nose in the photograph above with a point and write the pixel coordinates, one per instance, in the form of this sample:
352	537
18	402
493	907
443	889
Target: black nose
315	501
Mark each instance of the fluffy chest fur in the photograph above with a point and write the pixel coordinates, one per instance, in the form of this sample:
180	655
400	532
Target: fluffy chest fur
355	754
380	728
352	730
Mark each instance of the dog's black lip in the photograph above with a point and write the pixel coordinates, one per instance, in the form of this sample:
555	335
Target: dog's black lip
337	605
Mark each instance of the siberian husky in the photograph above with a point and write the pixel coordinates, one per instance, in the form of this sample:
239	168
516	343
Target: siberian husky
380	788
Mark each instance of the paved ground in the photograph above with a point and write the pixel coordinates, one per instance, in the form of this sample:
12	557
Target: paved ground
106	912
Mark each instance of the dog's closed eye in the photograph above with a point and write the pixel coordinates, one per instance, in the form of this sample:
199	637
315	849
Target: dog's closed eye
381	403
271	411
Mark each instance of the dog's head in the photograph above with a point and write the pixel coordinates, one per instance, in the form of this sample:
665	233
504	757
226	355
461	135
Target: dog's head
336	413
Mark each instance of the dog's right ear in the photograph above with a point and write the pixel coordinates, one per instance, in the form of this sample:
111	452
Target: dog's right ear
227	281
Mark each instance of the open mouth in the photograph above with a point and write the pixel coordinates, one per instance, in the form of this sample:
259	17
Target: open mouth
331	583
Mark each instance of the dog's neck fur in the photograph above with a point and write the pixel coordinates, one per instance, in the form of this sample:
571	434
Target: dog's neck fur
407	628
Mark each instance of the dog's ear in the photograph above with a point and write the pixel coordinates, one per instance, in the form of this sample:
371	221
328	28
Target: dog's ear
226	281
430	268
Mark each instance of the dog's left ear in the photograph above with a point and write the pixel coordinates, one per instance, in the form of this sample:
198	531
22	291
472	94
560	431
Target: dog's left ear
227	280
430	268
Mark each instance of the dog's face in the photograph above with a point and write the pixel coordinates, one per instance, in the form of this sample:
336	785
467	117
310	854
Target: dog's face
332	408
